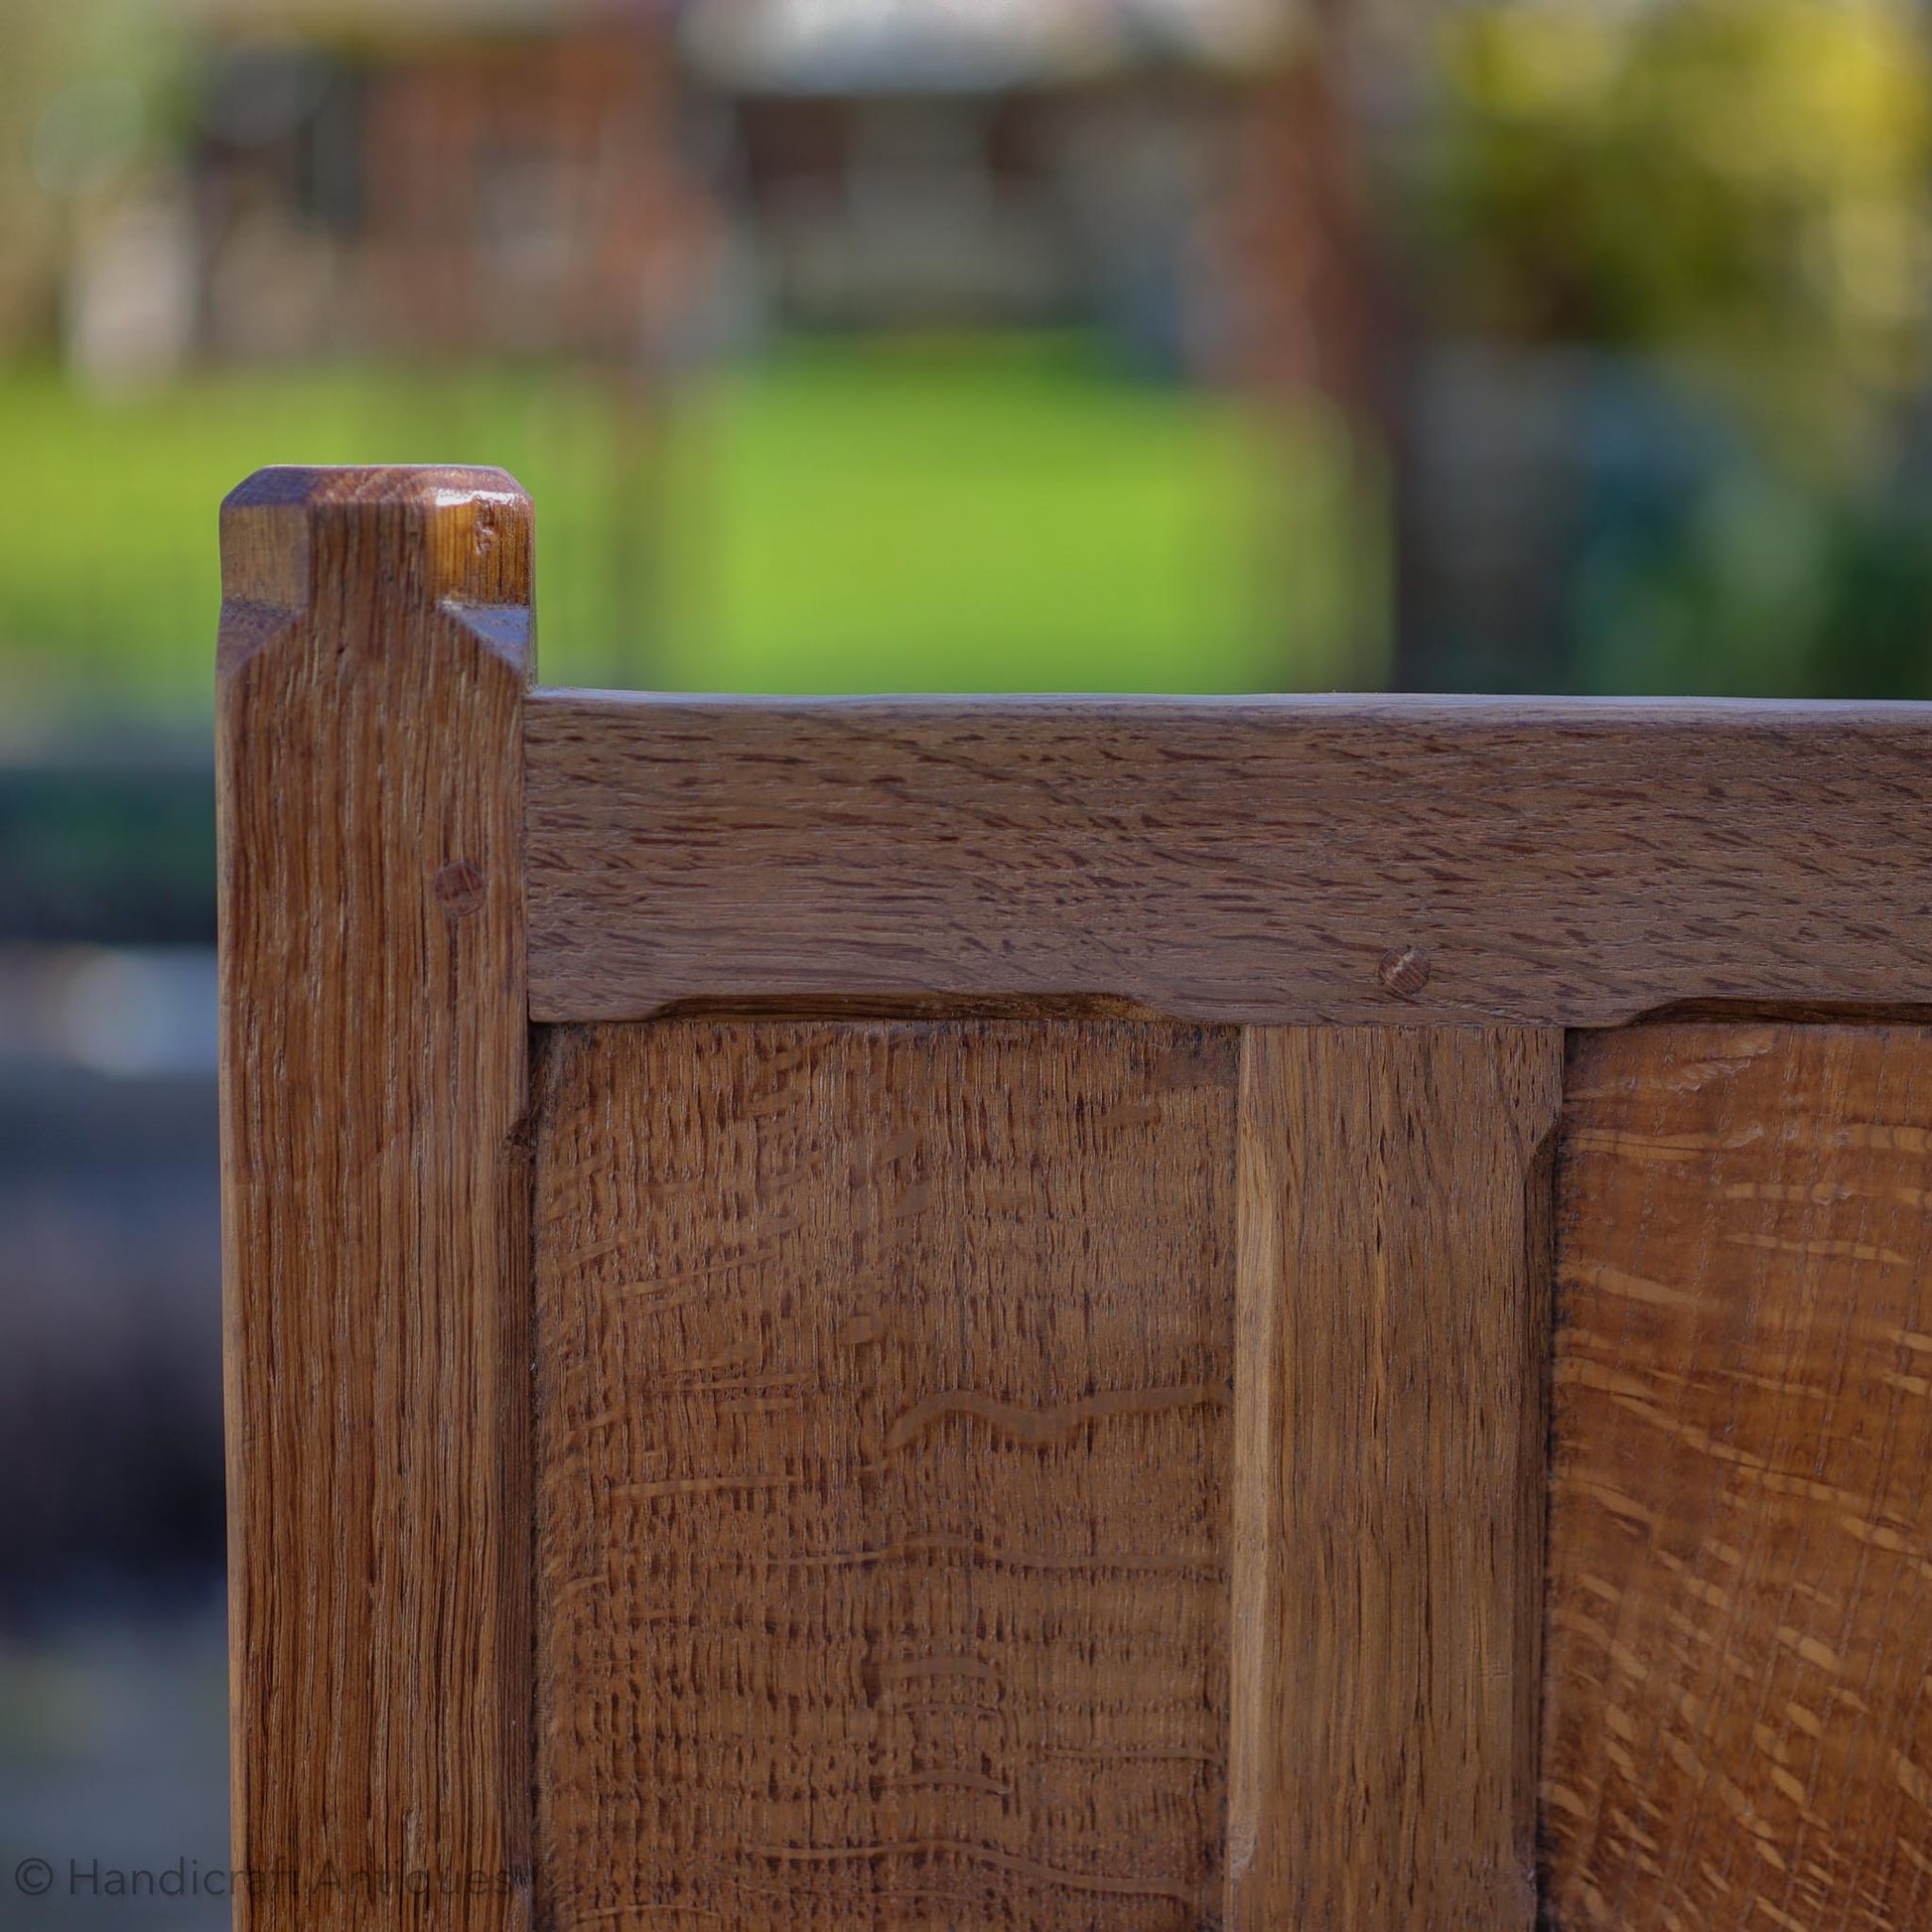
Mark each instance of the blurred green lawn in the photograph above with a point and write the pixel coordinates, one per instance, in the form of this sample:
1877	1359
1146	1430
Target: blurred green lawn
953	516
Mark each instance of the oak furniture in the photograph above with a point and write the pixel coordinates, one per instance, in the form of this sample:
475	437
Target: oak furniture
1306	1314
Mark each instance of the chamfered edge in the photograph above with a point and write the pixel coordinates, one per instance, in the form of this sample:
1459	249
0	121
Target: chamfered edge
296	537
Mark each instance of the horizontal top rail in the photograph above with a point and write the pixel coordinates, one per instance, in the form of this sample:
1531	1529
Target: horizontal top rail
1306	860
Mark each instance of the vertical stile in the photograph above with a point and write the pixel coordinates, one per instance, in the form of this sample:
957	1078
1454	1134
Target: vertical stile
373	660
1386	1508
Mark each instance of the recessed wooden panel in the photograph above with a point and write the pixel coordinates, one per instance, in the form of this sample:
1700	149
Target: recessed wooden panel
1389	1477
1738	1717
884	1384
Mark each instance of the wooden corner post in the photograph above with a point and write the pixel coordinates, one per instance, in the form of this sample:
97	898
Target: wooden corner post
375	649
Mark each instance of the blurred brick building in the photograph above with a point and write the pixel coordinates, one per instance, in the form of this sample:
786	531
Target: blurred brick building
634	178
996	163
479	175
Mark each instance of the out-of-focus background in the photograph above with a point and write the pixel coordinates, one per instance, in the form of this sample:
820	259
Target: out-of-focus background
1575	345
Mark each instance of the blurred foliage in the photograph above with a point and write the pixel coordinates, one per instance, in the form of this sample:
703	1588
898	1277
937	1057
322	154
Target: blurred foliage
1731	202
1756	583
85	103
1737	183
110	851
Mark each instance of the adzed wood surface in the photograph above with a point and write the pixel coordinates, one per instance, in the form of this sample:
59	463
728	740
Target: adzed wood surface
1303	861
374	1203
885	1382
1388	1478
1738	1710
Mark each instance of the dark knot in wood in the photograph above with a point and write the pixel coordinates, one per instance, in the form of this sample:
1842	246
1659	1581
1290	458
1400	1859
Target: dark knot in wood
460	889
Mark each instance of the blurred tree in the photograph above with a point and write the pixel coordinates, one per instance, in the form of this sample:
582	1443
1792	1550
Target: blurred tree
1738	186
1700	232
1317	334
75	80
28	228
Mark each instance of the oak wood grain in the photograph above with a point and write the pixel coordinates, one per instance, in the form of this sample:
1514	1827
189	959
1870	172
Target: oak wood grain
884	1420
1739	1731
1079	1468
373	1074
1350	861
1388	1478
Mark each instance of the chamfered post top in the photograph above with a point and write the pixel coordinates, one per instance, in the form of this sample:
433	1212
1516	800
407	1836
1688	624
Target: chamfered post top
297	539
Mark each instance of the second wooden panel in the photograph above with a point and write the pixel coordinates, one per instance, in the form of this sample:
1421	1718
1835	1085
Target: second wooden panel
1737	1729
